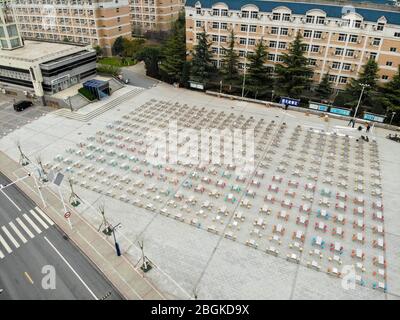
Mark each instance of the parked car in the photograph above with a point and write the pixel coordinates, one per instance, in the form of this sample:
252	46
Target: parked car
22	105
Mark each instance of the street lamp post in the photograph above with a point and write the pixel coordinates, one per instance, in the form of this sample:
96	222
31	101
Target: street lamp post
244	78
118	250
393	114
363	85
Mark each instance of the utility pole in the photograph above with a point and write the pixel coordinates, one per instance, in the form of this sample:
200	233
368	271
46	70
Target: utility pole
393	114
42	172
110	230
363	85
23	159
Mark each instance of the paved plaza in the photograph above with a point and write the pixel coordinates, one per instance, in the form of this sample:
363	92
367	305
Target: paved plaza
313	205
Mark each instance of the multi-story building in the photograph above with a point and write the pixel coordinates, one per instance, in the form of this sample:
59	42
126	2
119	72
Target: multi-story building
339	37
95	22
154	15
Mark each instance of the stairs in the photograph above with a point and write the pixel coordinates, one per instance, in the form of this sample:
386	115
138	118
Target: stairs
104	108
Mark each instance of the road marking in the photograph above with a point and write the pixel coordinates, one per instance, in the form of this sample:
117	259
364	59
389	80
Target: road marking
34	226
72	269
9	235
1	255
23	226
5	244
18	233
39	219
45	216
28	277
11	200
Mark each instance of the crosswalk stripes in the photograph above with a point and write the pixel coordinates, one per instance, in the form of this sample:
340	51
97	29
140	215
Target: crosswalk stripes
23	226
45	217
10	236
16	231
5	244
34	226
33	213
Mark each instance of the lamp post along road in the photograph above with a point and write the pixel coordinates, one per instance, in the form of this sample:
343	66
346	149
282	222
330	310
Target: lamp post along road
363	85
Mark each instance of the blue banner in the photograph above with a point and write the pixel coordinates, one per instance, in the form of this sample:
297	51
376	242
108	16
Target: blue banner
290	102
342	112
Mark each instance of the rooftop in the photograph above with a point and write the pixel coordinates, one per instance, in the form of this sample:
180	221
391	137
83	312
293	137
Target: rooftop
371	10
36	51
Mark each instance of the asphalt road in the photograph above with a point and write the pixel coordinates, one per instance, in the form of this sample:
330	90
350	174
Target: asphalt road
137	79
31	246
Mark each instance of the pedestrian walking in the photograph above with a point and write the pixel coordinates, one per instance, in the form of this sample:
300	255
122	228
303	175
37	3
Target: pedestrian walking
350	122
368	127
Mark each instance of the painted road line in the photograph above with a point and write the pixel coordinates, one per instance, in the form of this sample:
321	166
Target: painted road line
17	232
23	226
1	255
39	219
34	226
45	216
28	277
11	200
72	269
5	244
9	235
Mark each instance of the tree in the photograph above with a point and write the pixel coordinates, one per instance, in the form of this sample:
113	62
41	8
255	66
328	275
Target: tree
324	88
131	47
391	93
118	46
99	51
151	56
372	98
174	52
258	79
229	67
294	74
201	67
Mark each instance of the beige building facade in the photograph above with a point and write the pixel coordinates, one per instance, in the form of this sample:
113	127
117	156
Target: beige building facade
338	40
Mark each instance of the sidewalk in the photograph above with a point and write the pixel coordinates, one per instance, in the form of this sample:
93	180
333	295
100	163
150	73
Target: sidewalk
99	250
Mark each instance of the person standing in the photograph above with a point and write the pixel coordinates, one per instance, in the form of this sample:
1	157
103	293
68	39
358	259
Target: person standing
368	127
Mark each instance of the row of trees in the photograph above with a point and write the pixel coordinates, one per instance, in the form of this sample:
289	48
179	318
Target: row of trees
292	77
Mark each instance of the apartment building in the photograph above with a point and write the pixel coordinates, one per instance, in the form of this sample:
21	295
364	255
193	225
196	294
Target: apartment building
154	15
339	38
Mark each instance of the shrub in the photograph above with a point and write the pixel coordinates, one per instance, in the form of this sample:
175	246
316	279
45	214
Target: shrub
87	94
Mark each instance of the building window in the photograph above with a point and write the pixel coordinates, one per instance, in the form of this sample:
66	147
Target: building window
306	47
199	24
389	63
243	27
307	33
343	80
242	53
385	77
284	31
314	48
353	38
373	55
357	24
346	66
342	37
282	45
376	42
317	34
224	26
310	19
214	50
380	26
271	57
224	12
332	78
254	14
279	58
242	41
312	62
393	49
274	30
320	20
253	28
335	65
286	17
198	10
214	38
397	34
222	38
215	12
339	51
276	16
349	53
215	25
272	44
245	14
251	42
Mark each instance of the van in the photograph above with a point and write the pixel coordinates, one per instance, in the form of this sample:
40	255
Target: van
22	105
